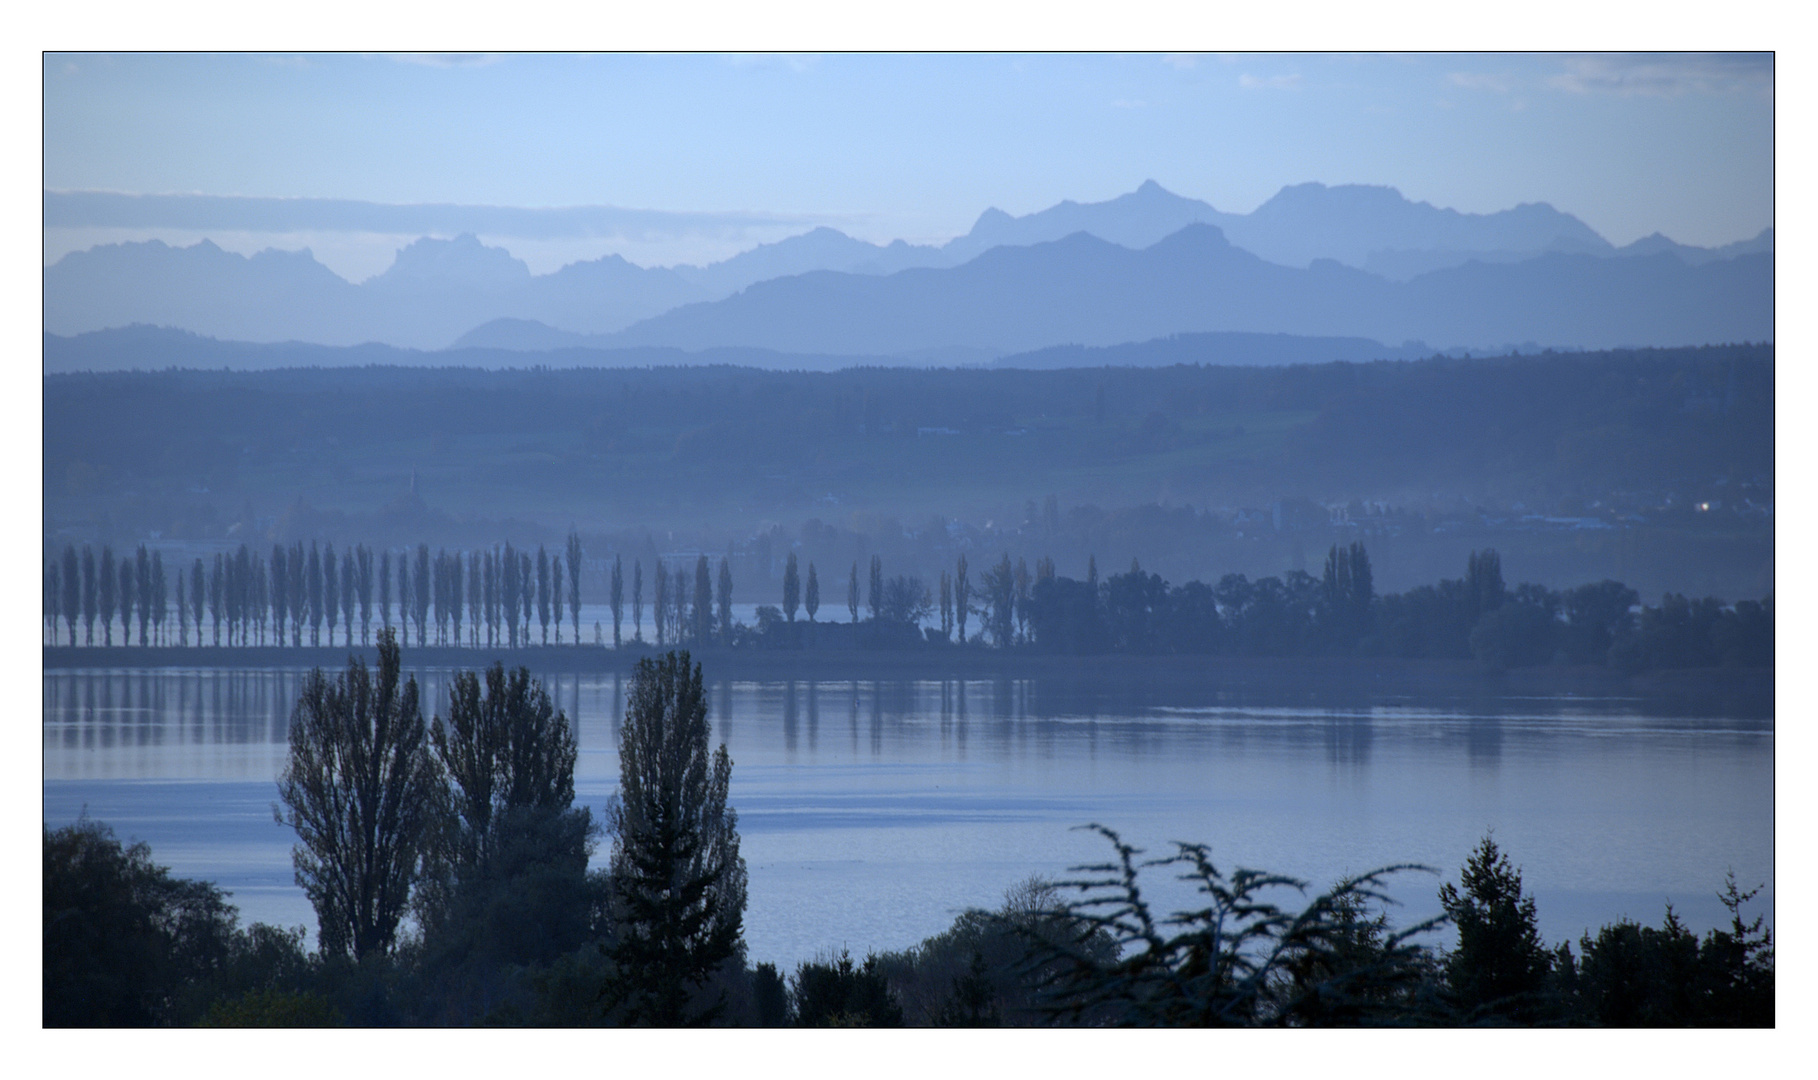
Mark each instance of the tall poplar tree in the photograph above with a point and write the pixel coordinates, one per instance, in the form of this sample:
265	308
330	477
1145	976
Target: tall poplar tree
109	595
127	595
160	596
280	592
197	596
874	596
726	599
811	598
364	559
660	609
350	587
385	590
91	595
543	591
72	591
296	575
313	599
962	597
421	593
142	577
703	600
852	593
574	583
637	600
476	595
555	575
455	579
331	590
617	598
792	588
183	613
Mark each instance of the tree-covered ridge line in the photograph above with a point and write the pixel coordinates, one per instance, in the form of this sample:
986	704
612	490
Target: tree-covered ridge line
738	446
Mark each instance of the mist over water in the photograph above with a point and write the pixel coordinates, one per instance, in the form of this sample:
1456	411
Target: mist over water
872	812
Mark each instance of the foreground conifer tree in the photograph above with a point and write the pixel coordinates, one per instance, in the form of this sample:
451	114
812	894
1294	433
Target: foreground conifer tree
362	792
678	878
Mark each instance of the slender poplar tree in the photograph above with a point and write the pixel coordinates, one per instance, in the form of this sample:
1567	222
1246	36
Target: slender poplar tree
852	594
574	582
792	588
143	579
331	590
962	597
421	593
703	601
91	595
726	599
350	586
127	598
110	595
811	598
280	593
183	613
874	596
72	591
160	596
617	597
637	600
661	608
385	590
555	598
543	591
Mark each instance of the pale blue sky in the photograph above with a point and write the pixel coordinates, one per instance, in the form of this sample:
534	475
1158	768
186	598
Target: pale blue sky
911	146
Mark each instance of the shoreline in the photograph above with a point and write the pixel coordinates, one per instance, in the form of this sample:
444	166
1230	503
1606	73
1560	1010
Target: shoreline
1317	676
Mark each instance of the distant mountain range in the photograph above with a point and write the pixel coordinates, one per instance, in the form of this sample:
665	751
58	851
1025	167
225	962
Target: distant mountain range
1348	261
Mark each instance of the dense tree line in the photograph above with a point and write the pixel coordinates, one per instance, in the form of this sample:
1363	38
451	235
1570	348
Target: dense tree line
506	598
500	597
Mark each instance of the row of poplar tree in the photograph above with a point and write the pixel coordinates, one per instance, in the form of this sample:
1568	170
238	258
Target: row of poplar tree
242	598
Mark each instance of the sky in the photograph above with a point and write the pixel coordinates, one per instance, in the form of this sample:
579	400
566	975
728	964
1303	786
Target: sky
703	155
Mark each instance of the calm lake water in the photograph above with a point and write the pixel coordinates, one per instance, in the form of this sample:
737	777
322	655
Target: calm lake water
873	812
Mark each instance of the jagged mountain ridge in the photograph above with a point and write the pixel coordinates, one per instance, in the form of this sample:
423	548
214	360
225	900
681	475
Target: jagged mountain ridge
439	290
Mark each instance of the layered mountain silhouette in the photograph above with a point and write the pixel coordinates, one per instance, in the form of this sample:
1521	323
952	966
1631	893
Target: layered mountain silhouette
1086	291
1349	260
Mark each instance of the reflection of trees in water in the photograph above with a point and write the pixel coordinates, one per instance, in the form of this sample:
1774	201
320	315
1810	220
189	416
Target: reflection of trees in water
1348	739
1483	741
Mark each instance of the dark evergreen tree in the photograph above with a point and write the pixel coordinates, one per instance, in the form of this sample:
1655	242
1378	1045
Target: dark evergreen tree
1500	969
841	994
616	598
792	588
677	875
361	791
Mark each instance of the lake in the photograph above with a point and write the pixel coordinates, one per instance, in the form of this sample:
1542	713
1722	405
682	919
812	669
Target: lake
873	812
